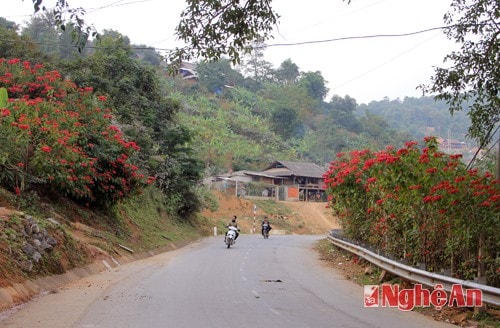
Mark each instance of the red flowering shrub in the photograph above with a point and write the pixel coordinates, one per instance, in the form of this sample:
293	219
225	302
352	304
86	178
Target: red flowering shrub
56	135
418	205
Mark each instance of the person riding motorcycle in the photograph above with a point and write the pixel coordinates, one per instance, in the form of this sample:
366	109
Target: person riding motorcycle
266	226
233	224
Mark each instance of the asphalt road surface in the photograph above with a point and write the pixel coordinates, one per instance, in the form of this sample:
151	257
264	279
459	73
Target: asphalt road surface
275	282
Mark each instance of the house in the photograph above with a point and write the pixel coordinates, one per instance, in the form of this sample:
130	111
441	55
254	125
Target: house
188	71
282	180
245	183
448	144
301	181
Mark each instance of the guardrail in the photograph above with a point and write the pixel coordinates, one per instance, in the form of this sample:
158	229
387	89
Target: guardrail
491	295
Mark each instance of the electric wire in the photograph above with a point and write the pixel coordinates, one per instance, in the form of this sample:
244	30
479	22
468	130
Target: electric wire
265	46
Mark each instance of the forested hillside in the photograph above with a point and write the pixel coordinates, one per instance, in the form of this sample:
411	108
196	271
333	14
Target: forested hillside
420	117
229	118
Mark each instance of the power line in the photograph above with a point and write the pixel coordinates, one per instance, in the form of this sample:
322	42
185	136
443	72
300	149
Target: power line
282	44
355	37
117	3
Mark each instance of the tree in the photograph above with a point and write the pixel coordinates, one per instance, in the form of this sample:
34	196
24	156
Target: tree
215	28
253	64
52	41
288	72
216	75
9	25
285	122
42	30
14	46
63	15
315	84
474	76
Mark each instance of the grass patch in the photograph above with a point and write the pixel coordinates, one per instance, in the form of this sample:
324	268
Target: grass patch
273	208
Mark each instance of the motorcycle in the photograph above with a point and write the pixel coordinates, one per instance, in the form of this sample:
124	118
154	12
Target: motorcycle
265	231
231	236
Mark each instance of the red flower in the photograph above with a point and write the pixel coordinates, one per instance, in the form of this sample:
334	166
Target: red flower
431	170
410	144
14	61
5	112
46	149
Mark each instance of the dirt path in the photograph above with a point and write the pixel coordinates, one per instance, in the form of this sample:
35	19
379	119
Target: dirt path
317	218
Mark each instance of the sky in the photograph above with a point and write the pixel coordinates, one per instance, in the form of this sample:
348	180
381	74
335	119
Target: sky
364	68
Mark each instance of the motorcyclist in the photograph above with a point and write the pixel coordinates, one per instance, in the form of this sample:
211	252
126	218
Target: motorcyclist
266	225
233	223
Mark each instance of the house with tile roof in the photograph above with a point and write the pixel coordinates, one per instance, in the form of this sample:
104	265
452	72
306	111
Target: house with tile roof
281	180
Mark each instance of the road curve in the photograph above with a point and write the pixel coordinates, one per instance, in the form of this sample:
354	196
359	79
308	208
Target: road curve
277	282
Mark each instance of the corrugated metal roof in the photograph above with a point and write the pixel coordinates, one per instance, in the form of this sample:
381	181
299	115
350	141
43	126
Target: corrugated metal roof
288	168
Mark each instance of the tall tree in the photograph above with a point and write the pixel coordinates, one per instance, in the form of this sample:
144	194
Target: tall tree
41	29
14	46
315	84
473	78
253	64
341	113
217	28
288	72
64	14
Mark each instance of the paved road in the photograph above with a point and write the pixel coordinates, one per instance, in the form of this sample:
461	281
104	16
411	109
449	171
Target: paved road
278	282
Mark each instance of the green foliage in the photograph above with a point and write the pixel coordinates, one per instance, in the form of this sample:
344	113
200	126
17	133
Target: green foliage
3	97
285	122
43	30
217	76
418	117
287	73
12	45
63	15
315	85
227	135
214	29
473	73
272	207
419	205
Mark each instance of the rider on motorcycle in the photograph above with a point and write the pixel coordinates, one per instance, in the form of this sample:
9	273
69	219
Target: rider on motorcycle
233	224
266	226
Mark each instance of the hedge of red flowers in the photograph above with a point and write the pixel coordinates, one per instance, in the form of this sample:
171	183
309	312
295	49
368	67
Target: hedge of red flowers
56	135
420	205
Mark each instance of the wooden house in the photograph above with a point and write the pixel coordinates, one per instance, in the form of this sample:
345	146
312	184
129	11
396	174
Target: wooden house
300	180
282	180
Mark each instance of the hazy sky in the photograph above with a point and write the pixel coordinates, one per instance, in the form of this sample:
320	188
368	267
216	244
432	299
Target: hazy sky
364	68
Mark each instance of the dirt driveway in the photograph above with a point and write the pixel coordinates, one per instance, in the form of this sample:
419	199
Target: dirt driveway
305	218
